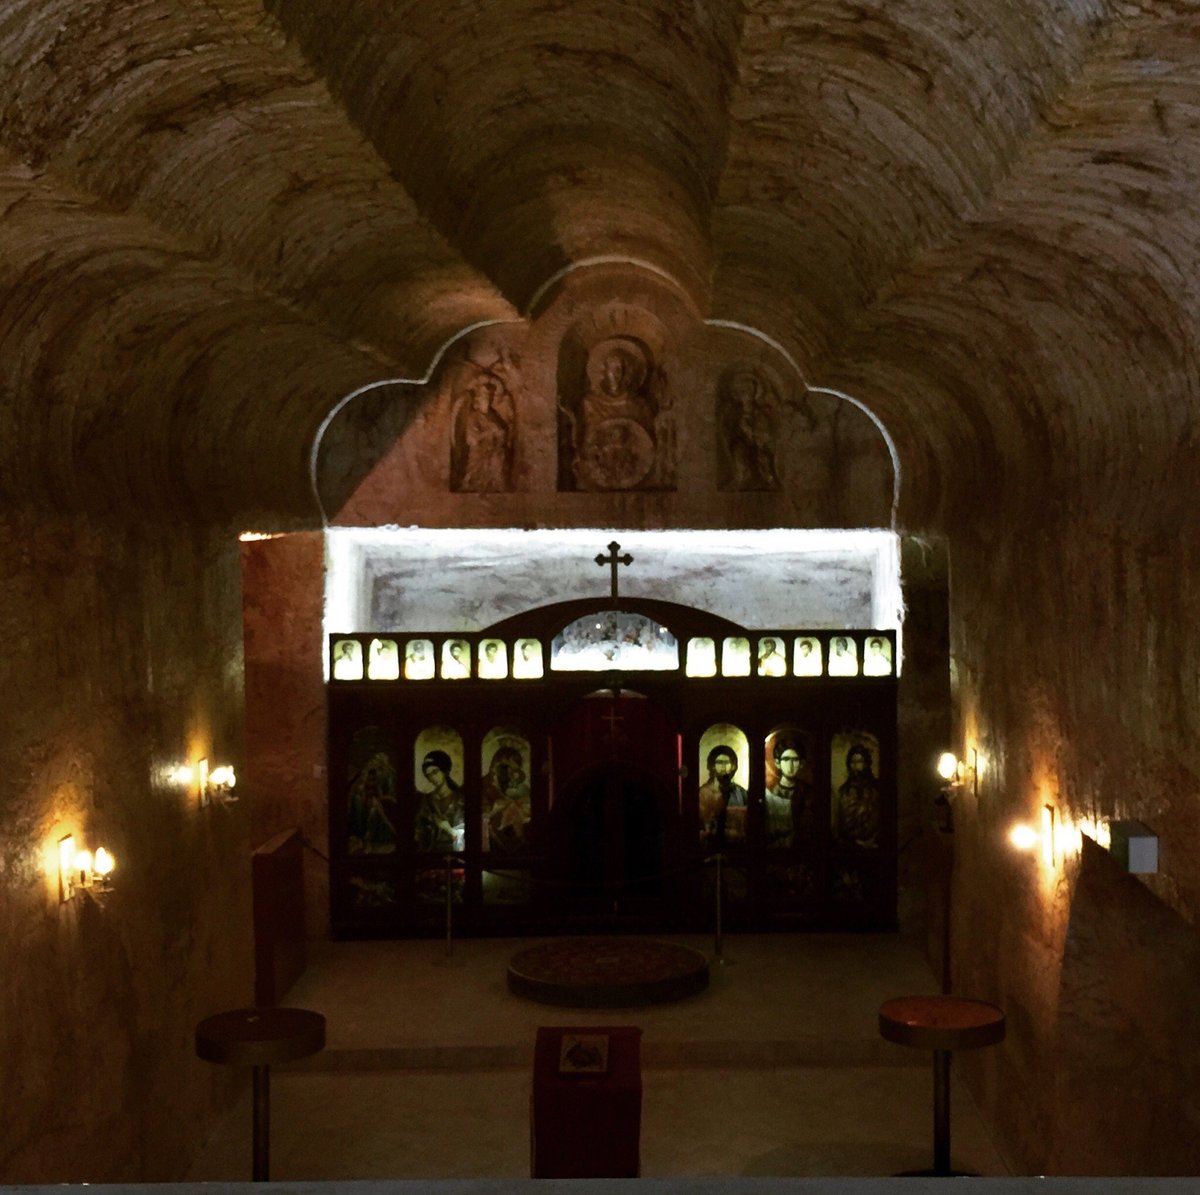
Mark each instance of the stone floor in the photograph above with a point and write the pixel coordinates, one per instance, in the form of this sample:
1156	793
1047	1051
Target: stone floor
776	1069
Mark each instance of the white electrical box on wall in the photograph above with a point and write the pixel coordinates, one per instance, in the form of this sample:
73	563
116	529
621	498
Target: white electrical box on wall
1135	846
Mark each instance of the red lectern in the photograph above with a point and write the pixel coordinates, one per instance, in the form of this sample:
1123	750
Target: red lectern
586	1111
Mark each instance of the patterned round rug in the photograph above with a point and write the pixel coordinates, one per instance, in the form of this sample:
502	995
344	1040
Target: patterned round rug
607	972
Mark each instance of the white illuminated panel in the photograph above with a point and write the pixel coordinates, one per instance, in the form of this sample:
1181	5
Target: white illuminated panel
390	579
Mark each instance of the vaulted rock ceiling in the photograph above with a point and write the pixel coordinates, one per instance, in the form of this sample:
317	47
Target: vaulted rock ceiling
217	217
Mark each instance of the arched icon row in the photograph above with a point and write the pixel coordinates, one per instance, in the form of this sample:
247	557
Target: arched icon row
379	658
383	797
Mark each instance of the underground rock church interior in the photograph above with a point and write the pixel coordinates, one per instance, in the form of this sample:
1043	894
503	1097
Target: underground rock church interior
490	478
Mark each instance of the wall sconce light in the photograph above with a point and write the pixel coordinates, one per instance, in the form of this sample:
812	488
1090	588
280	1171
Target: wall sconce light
1048	820
220	783
79	868
955	773
1024	837
948	769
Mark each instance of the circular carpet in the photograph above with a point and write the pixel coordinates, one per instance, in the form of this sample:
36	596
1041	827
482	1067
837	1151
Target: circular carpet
607	972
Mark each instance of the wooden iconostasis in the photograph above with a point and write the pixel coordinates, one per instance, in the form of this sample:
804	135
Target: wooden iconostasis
595	765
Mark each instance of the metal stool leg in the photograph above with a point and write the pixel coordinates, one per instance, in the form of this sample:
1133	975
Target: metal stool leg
262	1124
941	1111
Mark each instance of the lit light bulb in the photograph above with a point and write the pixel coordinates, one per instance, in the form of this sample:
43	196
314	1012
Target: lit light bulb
83	864
223	777
1023	837
947	765
104	862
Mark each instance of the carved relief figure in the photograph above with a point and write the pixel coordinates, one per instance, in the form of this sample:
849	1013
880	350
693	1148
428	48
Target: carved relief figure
748	407
481	453
616	426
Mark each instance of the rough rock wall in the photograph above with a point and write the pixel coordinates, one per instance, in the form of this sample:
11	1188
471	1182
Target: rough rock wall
122	660
286	738
1081	691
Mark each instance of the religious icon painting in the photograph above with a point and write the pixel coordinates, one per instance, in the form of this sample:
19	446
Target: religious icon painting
493	659
614	639
430	885
806	656
843	656
877	659
862	892
506	887
364	892
771	658
788	798
440	820
793	885
456	659
735	656
418	659
347	659
701	657
848	887
504	790
527	659
383	660
722	798
371	803
856	817
735	887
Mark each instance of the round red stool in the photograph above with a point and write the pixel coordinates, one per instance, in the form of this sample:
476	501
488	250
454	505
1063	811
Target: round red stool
258	1037
942	1024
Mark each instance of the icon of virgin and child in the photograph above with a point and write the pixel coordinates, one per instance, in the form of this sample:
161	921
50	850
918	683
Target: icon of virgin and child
506	798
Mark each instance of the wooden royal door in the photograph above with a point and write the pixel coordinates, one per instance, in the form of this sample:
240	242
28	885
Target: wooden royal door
615	816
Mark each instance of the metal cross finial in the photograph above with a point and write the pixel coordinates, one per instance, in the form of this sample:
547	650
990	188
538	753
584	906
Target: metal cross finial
612	560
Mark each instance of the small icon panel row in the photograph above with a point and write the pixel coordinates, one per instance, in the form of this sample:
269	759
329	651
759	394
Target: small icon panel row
450	658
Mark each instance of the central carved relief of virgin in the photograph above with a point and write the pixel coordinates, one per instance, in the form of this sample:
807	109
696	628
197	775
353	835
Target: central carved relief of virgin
616	429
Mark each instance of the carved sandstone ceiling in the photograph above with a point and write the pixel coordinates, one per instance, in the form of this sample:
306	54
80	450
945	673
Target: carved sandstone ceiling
218	217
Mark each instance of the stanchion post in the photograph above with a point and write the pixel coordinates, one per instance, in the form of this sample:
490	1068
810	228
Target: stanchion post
261	1124
449	905
718	943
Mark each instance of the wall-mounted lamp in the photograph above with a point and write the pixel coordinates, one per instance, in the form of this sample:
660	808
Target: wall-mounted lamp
220	783
1024	837
79	868
954	775
1048	824
212	784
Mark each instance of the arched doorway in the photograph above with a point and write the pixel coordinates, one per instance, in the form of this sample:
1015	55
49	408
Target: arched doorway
615	812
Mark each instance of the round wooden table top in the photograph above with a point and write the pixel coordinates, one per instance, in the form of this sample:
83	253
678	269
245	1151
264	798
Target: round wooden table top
260	1036
941	1022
